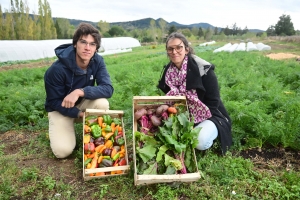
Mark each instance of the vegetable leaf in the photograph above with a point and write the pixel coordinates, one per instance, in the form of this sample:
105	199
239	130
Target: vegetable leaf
152	169
170	170
179	147
146	153
162	150
172	161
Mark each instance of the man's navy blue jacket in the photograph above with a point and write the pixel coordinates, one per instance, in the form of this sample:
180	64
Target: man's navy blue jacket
64	76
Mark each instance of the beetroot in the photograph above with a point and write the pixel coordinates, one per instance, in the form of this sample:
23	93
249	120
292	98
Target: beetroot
139	113
155	120
161	109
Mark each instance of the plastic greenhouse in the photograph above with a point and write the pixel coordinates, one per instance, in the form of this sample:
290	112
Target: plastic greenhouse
250	46
17	50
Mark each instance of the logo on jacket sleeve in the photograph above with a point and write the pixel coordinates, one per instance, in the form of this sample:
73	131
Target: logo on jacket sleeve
91	78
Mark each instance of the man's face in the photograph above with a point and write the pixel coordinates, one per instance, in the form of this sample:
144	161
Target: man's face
85	48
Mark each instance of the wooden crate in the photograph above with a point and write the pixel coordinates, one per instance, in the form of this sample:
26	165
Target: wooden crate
86	172
154	101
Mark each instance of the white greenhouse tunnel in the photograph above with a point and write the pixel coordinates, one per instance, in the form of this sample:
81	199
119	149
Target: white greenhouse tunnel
207	43
20	50
250	46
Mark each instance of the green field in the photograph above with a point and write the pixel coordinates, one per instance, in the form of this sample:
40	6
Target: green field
261	95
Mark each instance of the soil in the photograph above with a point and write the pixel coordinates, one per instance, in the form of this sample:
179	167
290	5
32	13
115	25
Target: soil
281	56
25	65
15	142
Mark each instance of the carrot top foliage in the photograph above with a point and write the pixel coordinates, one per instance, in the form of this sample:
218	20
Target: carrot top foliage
260	94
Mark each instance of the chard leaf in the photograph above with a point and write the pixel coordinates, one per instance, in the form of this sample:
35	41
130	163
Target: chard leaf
173	162
162	150
188	157
183	120
191	137
170	170
179	147
175	128
169	122
147	139
146	153
152	169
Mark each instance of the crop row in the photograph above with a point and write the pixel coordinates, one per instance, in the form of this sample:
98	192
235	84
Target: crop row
261	95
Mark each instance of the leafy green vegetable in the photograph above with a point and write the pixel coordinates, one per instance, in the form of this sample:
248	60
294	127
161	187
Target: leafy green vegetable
146	153
172	145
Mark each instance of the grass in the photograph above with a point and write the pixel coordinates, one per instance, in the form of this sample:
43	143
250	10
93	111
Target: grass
252	88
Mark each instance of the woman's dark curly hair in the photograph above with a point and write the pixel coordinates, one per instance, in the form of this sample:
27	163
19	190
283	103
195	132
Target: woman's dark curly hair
87	29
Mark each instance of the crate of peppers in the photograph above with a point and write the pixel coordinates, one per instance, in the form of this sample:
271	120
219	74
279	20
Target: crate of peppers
104	144
164	139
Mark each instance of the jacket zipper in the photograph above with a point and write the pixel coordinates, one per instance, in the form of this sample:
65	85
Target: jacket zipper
223	116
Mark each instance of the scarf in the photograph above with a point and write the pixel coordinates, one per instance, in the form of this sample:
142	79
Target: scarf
176	80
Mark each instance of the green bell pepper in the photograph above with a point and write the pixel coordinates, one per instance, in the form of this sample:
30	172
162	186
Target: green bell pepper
107	129
96	131
107	119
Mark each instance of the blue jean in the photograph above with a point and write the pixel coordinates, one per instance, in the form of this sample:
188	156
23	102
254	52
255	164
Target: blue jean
207	134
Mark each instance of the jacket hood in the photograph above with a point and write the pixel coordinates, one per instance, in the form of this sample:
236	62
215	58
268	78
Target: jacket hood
203	65
66	54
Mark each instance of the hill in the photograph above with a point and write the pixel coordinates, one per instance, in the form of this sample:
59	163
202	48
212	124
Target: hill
145	23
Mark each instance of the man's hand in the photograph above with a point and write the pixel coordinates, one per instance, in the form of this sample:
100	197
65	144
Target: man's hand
81	114
70	100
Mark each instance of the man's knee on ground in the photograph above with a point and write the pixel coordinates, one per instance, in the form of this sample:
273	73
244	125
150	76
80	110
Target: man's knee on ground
62	151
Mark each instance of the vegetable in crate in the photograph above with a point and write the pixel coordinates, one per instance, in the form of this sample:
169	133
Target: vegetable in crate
107	128
170	150
96	131
86	138
91	120
89	147
119	140
161	109
150	118
107	119
99	141
139	113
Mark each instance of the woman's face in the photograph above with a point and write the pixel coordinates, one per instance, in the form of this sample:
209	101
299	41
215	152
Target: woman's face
176	51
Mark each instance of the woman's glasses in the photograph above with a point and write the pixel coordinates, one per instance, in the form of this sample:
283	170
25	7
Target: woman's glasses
178	49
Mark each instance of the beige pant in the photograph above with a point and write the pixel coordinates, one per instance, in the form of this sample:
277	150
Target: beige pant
61	128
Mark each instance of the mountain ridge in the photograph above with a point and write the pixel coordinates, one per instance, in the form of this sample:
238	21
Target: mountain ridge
145	23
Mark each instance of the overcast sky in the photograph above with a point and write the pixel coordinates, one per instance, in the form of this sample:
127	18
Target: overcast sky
255	14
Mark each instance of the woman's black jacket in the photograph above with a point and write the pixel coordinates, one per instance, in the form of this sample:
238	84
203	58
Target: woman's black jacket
208	92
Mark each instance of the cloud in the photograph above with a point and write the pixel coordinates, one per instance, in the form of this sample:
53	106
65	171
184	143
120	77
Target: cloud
255	14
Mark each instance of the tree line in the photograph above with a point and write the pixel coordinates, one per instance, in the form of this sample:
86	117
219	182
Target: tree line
16	23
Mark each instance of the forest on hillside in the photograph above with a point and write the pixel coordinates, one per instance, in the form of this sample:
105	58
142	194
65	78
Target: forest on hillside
17	23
